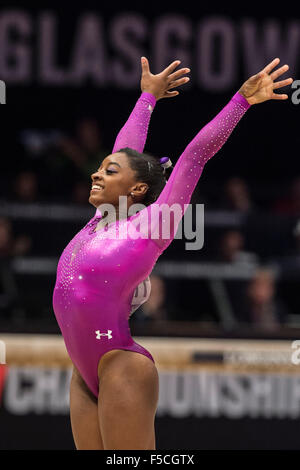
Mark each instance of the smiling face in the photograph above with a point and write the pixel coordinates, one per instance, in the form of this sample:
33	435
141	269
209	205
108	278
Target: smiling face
115	178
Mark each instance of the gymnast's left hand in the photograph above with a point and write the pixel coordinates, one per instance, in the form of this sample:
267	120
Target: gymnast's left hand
260	87
160	84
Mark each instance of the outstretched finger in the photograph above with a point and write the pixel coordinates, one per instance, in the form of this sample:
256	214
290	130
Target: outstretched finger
276	96
178	74
145	65
271	65
170	94
279	72
282	83
171	68
177	83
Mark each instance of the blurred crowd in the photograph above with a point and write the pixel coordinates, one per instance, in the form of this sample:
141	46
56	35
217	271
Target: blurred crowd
56	168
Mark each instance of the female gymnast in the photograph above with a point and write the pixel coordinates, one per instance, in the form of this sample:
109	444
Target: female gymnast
114	386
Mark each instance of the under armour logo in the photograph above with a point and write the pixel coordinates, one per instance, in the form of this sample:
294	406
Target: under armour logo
98	334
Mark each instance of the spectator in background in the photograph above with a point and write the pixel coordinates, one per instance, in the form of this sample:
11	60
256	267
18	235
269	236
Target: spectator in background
85	150
54	170
289	263
81	192
231	249
10	247
154	309
261	306
290	204
25	187
236	196
294	252
6	241
60	160
231	252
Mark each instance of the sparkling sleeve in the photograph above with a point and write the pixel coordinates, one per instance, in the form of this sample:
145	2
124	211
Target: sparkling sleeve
188	169
134	132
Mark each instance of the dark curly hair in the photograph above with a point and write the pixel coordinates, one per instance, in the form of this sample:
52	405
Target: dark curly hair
149	170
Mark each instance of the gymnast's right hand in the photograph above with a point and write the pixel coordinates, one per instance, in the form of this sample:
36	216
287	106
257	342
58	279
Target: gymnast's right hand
160	84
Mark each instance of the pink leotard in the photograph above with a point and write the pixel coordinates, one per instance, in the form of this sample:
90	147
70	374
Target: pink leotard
98	273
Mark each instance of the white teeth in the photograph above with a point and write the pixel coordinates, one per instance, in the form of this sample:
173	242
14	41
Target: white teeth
95	186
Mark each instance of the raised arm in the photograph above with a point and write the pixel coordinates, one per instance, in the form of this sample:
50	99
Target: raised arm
134	133
154	87
209	140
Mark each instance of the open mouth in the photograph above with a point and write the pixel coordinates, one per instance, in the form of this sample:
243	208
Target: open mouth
96	187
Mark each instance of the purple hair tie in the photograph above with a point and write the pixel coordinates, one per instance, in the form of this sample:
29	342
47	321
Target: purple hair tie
165	162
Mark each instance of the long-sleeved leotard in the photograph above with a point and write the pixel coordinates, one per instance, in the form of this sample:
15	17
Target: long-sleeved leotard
99	271
133	135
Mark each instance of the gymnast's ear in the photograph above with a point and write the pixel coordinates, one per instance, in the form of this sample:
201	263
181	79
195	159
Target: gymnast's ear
139	190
